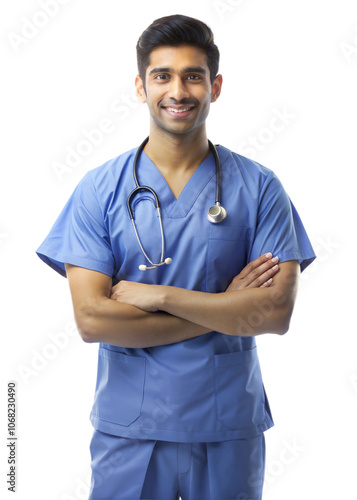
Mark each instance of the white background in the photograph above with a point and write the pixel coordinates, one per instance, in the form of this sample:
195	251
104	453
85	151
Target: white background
77	69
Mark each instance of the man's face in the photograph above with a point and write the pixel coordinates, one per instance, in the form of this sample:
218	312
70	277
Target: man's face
178	89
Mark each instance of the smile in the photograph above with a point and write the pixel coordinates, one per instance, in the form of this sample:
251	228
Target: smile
181	112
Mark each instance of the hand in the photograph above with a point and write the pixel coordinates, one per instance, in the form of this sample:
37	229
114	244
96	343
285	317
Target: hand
145	297
257	274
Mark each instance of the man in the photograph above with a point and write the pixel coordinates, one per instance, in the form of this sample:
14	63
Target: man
180	407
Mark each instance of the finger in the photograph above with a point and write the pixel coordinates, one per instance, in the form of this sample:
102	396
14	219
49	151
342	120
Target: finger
255	264
265	277
117	290
259	275
267	284
115	287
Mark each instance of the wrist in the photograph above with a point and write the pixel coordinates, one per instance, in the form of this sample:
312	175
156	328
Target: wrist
163	293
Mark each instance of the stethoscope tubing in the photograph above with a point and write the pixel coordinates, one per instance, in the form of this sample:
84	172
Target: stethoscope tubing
215	214
218	172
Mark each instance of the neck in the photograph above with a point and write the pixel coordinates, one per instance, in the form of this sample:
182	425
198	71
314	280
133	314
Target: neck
177	153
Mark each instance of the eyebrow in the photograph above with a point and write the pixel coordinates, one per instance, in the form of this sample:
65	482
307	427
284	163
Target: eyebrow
190	69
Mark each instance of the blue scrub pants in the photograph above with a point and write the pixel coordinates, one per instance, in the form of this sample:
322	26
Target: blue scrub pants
130	469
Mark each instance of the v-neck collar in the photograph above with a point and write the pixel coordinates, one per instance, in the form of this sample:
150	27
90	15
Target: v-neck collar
150	175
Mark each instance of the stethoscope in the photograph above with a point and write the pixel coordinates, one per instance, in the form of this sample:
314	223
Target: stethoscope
215	214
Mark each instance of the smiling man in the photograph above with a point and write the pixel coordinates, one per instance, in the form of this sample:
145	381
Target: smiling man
178	254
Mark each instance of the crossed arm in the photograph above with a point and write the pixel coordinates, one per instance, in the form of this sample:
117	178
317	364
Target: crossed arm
259	300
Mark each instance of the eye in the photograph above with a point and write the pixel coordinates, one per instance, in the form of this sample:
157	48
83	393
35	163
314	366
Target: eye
161	77
194	78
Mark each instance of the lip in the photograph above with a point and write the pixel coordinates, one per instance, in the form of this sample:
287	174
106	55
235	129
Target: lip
179	111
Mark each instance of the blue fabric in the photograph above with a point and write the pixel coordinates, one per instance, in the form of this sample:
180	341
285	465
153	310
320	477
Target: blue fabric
144	469
204	389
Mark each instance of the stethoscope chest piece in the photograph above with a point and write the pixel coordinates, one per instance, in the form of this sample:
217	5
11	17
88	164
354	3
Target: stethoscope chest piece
216	213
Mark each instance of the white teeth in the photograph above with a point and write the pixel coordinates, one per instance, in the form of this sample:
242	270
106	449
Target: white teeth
182	110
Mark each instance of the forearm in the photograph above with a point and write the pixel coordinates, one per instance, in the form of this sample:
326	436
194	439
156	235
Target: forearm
246	312
238	311
114	323
101	319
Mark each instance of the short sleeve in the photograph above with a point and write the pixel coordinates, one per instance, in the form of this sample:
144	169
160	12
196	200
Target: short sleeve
279	228
79	236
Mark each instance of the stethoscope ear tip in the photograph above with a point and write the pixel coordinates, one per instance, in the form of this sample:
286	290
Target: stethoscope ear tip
167	261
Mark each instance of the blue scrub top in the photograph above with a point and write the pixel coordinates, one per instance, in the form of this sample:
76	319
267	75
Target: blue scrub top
208	388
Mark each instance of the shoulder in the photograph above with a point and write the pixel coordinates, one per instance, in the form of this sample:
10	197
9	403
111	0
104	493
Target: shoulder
112	169
104	180
251	172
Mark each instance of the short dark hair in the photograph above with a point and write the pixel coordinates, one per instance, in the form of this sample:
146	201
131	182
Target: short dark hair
174	31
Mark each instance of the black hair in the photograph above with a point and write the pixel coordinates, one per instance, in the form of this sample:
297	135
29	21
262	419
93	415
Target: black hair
174	31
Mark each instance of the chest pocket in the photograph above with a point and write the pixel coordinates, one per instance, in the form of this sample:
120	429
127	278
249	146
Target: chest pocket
228	248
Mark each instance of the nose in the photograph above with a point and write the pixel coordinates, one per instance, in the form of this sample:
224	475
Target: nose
178	90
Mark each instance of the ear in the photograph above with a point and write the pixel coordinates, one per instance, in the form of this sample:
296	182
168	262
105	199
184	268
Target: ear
140	91
216	88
